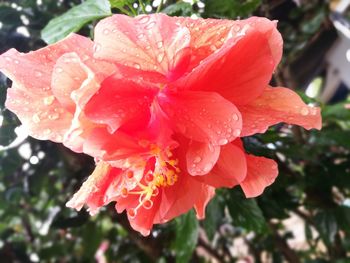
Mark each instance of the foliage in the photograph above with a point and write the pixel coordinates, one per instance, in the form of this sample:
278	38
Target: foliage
313	185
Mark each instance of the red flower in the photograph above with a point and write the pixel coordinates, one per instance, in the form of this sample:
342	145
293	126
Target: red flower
161	102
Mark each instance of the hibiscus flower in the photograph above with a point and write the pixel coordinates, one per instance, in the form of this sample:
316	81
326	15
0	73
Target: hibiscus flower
161	103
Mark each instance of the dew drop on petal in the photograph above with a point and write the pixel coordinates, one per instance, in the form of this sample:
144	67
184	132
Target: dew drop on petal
197	159
106	31
160	57
223	141
235	117
49	100
54	116
47	131
304	111
160	44
97	47
59	70
144	19
137	66
38	74
150	25
237	132
36	118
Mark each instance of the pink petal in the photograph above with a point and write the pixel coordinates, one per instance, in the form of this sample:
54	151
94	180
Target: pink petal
103	145
185	194
147	42
31	97
201	157
76	79
238	71
278	105
202	203
230	169
43	117
202	116
92	192
121	102
261	173
208	35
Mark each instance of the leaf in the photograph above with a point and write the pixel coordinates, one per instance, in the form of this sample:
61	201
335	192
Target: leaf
245	212
327	226
120	3
178	9
213	217
74	19
230	8
187	229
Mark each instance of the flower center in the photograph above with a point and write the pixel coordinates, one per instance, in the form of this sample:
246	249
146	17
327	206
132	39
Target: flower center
164	173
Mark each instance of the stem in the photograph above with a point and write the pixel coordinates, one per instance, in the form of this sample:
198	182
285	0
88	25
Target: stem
123	10
159	6
132	10
142	6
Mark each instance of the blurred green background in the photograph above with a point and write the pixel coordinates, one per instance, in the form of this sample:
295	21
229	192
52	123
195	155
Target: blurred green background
303	217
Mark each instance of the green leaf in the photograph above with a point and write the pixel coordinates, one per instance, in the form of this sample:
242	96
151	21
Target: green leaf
230	8
327	226
187	228
120	3
245	212
178	9
74	19
213	216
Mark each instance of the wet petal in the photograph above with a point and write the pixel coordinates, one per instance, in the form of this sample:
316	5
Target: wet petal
230	169
31	97
261	173
92	192
43	117
121	102
277	105
209	35
238	71
201	204
202	116
147	42
101	144
201	157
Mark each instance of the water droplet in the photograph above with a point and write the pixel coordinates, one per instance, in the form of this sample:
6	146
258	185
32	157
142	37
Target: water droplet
223	141
38	74
106	31
97	47
160	44
235	117
54	116
304	111
237	132
208	167
148	47
160	57
49	100
47	131
36	118
144	19
141	36
16	61
137	66
150	25
59	70
197	159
